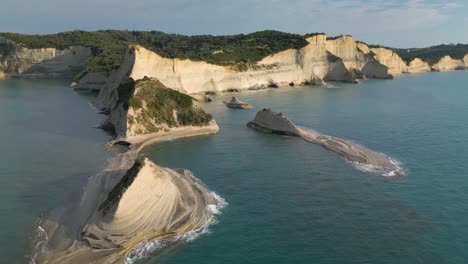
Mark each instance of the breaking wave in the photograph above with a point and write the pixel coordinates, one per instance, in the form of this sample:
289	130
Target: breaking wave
145	249
41	244
379	170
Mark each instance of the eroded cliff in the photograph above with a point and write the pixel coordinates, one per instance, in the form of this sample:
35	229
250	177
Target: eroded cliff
45	63
129	205
447	63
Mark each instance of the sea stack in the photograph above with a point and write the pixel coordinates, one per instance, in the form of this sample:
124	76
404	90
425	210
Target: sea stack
268	121
238	104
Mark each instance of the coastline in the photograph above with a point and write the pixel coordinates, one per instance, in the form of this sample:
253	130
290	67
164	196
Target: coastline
60	235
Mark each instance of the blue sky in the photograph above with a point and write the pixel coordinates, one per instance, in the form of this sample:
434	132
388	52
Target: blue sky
397	23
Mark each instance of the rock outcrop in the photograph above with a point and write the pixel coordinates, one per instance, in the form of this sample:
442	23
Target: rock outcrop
465	60
131	203
355	59
390	59
417	65
272	122
238	104
448	64
395	64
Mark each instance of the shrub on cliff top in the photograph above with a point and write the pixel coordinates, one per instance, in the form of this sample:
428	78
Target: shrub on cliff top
109	46
161	102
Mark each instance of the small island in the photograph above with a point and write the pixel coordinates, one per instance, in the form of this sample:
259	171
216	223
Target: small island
238	104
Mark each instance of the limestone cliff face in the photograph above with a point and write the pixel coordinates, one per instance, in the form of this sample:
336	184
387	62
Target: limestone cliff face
49	63
465	60
149	203
321	60
417	65
311	63
390	59
448	64
124	207
355	59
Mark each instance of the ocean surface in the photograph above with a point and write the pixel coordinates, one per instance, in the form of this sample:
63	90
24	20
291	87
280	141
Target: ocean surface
289	201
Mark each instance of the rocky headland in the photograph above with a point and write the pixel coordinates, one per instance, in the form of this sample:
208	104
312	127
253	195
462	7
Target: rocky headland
269	121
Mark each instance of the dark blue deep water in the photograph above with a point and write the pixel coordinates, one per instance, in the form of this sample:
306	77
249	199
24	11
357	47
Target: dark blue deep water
289	201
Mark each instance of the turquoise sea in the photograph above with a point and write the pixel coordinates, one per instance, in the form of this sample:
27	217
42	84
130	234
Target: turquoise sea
289	201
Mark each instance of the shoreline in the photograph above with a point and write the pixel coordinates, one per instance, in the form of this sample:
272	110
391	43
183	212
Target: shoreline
69	233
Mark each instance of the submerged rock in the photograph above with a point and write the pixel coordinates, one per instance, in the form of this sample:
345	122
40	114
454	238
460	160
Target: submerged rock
238	104
272	122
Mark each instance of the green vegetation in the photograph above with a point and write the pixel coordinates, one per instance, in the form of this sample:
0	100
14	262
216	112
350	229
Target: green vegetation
433	54
109	205
3	49
161	102
125	92
109	46
308	35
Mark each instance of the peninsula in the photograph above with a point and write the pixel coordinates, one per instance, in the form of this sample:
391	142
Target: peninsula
272	122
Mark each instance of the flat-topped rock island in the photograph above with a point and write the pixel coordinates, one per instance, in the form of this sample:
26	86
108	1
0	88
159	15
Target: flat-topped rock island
269	121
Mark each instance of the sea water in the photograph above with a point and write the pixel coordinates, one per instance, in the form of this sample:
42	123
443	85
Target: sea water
289	201
294	202
49	147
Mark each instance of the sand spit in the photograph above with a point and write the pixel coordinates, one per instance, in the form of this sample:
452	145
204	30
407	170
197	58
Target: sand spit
131	202
366	159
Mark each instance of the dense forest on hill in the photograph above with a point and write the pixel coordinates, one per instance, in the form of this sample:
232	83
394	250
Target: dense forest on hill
433	54
239	51
109	45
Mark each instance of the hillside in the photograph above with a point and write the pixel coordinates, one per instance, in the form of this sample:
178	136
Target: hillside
433	54
109	46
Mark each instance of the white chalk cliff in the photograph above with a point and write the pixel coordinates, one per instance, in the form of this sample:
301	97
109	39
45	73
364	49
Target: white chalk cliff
44	63
447	63
321	60
312	63
417	65
355	59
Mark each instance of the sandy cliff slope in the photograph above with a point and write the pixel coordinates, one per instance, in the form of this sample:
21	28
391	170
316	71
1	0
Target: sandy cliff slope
447	63
390	59
417	65
132	202
355	59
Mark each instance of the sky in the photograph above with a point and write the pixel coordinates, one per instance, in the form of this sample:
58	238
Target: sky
394	23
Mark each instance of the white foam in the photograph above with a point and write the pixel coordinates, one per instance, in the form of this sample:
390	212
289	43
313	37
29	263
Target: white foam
380	170
331	86
41	245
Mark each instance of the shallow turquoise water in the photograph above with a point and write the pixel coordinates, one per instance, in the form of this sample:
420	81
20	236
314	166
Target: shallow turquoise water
289	201
294	202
